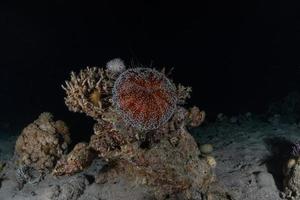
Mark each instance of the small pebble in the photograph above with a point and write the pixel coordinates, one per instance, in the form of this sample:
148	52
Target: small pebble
206	148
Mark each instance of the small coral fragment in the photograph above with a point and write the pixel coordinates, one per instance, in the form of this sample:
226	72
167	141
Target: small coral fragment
183	93
42	142
211	161
196	117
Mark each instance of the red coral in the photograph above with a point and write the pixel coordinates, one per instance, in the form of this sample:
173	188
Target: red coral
145	97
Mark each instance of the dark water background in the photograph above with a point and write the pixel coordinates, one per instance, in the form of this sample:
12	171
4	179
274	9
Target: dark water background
238	56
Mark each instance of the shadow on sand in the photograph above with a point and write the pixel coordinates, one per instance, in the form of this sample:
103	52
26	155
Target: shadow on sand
280	150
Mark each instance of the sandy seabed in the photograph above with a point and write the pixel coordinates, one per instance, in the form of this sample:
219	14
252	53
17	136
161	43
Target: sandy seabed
249	153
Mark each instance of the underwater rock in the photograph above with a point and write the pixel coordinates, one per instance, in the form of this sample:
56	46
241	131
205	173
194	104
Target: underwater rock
265	179
289	166
79	158
164	169
71	190
216	192
292	179
110	144
206	148
26	174
42	143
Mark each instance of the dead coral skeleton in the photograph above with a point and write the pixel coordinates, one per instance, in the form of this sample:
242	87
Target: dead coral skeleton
26	174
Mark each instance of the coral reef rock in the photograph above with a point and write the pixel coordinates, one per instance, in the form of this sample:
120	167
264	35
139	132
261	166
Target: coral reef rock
42	143
292	179
79	158
141	132
165	169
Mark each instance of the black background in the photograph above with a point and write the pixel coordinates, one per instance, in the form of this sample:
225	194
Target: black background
237	55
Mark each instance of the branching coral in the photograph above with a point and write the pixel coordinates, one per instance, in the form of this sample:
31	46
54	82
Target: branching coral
42	142
89	91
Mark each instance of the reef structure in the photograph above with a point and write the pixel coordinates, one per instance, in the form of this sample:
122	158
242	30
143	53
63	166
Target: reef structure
141	131
42	143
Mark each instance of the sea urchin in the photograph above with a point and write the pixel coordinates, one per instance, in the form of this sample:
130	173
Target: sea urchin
144	97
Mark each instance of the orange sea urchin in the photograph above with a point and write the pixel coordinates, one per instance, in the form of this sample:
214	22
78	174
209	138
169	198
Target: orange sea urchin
144	97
